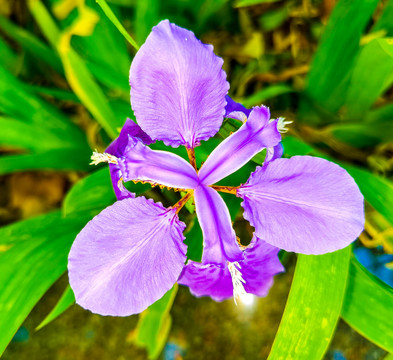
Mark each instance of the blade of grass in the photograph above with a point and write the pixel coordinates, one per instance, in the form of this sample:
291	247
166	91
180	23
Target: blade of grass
112	17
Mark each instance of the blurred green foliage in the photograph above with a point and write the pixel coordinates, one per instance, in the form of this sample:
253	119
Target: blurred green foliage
64	91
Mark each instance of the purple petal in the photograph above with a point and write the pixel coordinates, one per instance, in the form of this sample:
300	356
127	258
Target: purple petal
258	268
237	149
274	153
304	204
207	280
235	108
139	162
127	257
178	87
117	148
219	238
260	264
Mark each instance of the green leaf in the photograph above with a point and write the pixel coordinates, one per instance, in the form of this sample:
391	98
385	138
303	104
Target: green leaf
8	58
18	102
313	307
385	23
76	71
22	135
154	324
34	257
368	306
94	192
194	240
146	16
366	88
273	19
328	78
270	92
56	159
66	300
31	43
112	17
244	3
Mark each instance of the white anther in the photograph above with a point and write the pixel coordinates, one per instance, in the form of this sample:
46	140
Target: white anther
237	281
282	123
98	158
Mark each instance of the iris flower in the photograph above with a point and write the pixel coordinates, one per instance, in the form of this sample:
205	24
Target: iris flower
132	253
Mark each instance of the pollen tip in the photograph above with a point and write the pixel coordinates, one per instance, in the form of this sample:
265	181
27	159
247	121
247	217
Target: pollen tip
98	158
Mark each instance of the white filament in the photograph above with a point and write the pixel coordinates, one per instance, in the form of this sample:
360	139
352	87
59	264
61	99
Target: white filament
282	123
98	158
237	281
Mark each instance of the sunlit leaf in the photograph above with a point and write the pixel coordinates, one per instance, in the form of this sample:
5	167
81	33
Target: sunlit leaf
313	307
328	78
366	87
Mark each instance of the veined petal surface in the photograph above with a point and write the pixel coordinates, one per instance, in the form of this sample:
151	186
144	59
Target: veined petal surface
303	204
178	87
127	257
237	149
258	267
219	238
117	148
139	162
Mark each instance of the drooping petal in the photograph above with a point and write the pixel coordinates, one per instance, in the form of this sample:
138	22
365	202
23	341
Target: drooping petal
303	204
178	87
236	150
236	110
127	257
219	238
117	148
207	280
259	266
139	162
257	269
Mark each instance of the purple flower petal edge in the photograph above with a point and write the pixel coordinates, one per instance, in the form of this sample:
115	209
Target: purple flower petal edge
116	265
303	204
179	96
117	148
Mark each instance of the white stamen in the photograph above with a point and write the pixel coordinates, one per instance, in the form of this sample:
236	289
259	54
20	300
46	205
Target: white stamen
237	281
98	158
282	123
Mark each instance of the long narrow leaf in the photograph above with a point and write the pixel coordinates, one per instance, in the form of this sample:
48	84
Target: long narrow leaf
313	307
368	306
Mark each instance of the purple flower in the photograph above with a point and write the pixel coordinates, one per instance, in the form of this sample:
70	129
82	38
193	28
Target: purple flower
130	254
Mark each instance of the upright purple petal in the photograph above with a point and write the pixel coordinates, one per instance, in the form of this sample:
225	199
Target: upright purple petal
117	148
127	257
139	162
236	150
303	204
219	238
178	87
258	267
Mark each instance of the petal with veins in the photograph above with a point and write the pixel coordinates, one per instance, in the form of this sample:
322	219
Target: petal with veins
303	204
127	257
236	150
139	162
178	87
